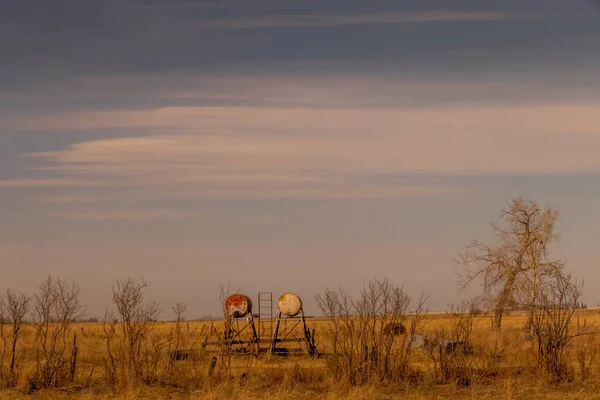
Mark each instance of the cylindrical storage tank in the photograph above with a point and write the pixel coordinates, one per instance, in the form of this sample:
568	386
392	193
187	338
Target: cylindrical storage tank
238	305
394	329
289	304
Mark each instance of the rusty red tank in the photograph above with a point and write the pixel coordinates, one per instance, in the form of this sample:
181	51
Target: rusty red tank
238	305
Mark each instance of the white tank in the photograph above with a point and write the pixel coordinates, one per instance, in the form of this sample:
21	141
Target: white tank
289	304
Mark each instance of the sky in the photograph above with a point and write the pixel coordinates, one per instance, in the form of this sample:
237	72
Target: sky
283	146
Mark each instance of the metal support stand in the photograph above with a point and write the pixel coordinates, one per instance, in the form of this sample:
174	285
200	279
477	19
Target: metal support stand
282	333
232	336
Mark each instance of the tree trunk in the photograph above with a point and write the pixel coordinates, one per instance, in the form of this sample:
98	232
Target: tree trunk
14	350
498	312
502	302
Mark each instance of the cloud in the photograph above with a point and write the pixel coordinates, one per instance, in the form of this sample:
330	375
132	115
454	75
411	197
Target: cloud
139	214
306	90
229	152
307	137
299	20
68	199
518	118
43	182
108	38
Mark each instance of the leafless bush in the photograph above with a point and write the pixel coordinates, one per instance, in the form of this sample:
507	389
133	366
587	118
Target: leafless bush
56	307
225	339
137	358
361	348
452	358
3	337
176	335
14	309
586	352
6	377
551	322
111	358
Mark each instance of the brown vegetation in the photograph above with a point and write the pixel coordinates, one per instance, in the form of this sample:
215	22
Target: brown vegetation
460	356
504	364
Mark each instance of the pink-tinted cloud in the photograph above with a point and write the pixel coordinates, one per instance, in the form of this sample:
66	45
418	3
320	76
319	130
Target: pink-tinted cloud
315	152
272	143
44	182
129	214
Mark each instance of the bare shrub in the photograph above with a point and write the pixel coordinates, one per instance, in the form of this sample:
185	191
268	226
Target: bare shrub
14	309
136	358
226	339
551	322
176	336
112	360
6	376
361	349
452	358
4	338
586	352
56	307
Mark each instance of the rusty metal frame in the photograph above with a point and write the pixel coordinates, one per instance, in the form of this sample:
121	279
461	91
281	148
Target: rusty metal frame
307	343
231	333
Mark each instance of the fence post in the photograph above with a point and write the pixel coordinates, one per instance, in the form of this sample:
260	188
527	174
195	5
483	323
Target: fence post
74	356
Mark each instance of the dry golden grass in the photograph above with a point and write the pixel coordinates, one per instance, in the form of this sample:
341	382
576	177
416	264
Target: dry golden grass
504	365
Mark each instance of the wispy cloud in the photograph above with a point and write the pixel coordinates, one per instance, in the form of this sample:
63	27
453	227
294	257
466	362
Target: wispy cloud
140	214
44	182
275	21
68	199
79	100
230	152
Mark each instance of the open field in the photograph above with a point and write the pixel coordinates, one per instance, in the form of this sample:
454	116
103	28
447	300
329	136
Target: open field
503	366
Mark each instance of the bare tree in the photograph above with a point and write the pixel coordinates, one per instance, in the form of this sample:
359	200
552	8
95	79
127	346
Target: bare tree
511	268
56	307
16	307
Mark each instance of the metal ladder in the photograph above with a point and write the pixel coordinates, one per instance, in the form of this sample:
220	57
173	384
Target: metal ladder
265	312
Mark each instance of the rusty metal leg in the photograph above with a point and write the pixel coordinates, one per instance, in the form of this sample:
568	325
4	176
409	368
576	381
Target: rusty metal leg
272	348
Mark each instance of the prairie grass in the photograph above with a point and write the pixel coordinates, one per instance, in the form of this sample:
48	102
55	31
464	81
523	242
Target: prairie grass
503	366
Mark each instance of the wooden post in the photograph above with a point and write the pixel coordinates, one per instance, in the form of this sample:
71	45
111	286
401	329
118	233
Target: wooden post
213	363
87	383
74	357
